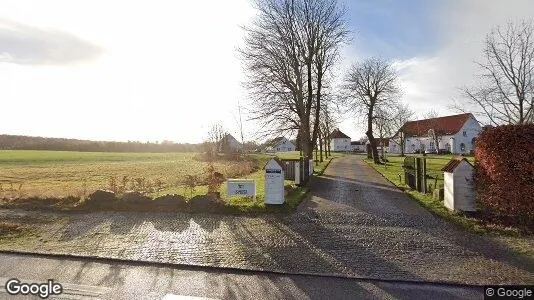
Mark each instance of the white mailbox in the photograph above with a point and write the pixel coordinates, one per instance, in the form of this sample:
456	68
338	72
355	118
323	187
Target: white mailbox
459	186
241	187
274	183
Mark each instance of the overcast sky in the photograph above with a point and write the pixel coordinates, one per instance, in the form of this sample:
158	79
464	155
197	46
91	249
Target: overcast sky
155	70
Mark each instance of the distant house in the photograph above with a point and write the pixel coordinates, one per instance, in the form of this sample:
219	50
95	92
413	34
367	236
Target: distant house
381	143
456	134
339	141
357	146
229	143
280	144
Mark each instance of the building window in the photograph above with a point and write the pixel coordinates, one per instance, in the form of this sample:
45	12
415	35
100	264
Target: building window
462	147
448	147
431	146
473	141
464	133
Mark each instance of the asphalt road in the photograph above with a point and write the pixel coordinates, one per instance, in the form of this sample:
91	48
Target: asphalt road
107	279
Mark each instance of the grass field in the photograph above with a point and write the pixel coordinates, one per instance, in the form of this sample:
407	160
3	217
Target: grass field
27	173
62	173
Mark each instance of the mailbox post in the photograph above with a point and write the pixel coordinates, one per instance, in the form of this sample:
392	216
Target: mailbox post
274	183
459	186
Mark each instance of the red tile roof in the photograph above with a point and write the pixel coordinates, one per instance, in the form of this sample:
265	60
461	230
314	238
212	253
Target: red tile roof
337	134
442	125
453	163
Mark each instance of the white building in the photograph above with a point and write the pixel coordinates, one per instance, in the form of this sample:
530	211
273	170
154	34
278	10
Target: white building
229	143
357	146
381	143
339	141
280	144
456	134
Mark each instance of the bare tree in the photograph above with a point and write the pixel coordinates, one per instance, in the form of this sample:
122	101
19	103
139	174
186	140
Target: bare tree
216	135
371	85
289	49
401	114
326	123
383	126
434	133
505	90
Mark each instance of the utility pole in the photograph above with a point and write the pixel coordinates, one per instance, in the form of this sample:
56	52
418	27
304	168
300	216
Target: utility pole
241	126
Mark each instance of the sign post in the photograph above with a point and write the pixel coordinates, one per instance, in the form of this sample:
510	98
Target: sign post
274	183
241	187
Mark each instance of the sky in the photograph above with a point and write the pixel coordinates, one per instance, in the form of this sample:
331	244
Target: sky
167	70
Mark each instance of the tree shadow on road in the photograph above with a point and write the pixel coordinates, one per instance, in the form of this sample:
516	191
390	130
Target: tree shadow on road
427	236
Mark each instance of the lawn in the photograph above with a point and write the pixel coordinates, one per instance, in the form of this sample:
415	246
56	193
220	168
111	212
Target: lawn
434	163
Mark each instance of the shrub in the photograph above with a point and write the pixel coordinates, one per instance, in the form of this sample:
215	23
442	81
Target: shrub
112	184
504	165
214	179
191	182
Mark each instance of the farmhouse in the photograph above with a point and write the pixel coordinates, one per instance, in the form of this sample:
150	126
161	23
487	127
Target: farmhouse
229	143
454	134
357	146
280	144
384	142
339	141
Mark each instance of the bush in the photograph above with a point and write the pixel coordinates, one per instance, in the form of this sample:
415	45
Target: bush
504	165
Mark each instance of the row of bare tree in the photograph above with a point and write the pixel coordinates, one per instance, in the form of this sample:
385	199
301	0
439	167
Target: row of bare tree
292	47
290	50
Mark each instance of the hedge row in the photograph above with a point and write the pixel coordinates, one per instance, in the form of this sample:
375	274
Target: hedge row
505	172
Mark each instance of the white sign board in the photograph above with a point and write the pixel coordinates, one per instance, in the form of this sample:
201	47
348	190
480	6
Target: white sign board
241	187
274	183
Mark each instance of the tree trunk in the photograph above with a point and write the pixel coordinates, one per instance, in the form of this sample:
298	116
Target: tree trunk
369	133
298	146
306	135
374	150
321	139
